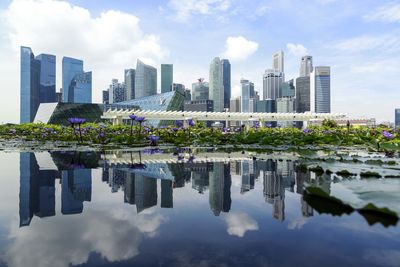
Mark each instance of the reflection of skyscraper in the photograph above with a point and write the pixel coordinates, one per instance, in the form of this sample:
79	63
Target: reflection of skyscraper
166	194
247	173
301	178
145	192
129	192
76	188
274	191
220	183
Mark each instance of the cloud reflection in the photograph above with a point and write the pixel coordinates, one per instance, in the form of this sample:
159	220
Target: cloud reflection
240	223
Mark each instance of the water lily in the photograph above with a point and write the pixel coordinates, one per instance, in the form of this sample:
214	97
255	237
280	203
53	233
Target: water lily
191	122
140	120
388	135
153	140
133	118
179	124
307	130
78	121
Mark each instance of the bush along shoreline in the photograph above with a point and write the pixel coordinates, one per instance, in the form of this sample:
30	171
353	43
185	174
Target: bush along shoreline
191	133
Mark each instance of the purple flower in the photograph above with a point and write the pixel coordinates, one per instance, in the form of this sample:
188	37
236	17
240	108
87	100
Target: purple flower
147	129
76	120
179	124
102	135
307	130
132	117
191	122
257	124
153	140
175	129
140	119
190	160
388	135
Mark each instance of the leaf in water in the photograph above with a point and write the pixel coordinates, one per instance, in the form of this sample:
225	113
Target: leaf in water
373	215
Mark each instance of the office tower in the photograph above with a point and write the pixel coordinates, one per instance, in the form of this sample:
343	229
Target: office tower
80	88
302	94
58	97
178	86
235	107
145	80
117	92
188	94
288	89
199	105
285	105
267	106
130	84
167	77
200	90
306	66
166	194
38	78
70	68
278	61
216	85
247	92
272	83
320	90
397	117
106	97
226	77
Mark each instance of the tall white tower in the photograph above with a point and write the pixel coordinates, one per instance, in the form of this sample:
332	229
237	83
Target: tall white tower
216	86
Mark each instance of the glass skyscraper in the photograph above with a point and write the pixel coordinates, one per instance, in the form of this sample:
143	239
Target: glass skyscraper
80	89
306	66
397	117
272	83
302	94
130	84
216	85
70	68
320	90
38	78
226	77
288	89
145	80
247	93
167	77
200	90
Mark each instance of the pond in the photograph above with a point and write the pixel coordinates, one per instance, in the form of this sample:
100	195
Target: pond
191	208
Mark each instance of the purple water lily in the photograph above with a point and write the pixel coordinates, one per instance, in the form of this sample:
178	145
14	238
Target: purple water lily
307	130
388	135
132	116
78	121
153	140
140	119
179	124
191	122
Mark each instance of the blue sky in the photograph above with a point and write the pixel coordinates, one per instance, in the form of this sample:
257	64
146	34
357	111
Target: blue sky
360	40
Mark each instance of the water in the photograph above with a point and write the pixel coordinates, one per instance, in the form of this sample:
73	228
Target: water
125	209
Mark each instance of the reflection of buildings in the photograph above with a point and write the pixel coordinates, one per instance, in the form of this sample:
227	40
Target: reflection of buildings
274	191
145	192
76	188
301	178
220	188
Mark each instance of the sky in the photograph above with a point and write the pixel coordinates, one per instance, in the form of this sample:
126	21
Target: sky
359	39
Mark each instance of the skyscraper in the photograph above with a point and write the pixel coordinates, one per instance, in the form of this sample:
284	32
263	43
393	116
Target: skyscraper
272	82
278	61
200	90
397	117
216	85
320	90
70	68
226	77
302	94
116	91
247	93
285	105
145	80
38	82
167	77
288	89
306	66
80	88
130	84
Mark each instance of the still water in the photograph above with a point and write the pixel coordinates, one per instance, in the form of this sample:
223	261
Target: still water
162	209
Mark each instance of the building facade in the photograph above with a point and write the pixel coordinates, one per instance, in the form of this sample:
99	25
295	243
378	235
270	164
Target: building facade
278	61
145	80
397	117
167	77
306	66
320	90
285	105
80	89
272	83
288	89
70	68
247	93
47	81
216	85
116	92
302	94
130	84
226	73
200	90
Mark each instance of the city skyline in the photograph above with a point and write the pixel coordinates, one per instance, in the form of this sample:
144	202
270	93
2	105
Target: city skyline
240	42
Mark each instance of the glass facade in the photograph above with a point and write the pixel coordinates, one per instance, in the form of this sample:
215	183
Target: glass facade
200	91
167	77
145	80
397	117
302	94
30	85
272	82
216	85
47	78
117	92
288	89
80	89
130	83
70	68
247	94
320	90
226	73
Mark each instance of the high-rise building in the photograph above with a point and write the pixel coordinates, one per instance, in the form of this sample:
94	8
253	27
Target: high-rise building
278	61
130	84
397	117
70	68
80	88
200	90
306	66
302	94
235	107
247	93
272	83
116	92
188	94
216	85
167	77
285	105
226	77
106	97
288	89
38	82
320	90
178	86
145	80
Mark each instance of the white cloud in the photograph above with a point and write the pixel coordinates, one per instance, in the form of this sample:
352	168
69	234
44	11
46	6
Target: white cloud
386	13
239	48
384	257
240	223
297	50
186	8
108	43
388	42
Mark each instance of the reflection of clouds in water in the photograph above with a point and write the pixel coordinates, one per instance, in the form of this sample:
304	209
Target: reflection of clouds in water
297	223
240	223
384	257
62	240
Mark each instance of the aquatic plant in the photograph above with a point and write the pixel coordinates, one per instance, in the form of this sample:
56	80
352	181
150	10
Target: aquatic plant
133	118
77	121
153	140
